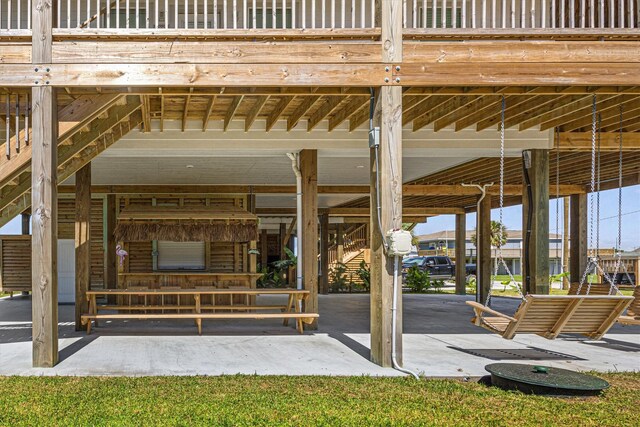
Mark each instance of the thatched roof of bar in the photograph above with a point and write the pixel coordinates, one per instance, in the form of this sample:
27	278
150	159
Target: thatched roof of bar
215	223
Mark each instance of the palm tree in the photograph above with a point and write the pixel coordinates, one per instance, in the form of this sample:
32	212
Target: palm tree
498	235
498	238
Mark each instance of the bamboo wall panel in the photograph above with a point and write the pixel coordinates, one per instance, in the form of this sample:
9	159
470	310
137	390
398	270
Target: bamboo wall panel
140	257
66	230
15	263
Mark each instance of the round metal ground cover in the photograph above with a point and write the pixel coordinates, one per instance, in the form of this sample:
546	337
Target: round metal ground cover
544	380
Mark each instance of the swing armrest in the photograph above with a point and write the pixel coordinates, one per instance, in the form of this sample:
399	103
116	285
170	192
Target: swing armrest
479	308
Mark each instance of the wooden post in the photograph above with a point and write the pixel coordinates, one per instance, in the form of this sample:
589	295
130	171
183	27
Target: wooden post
44	195
26	220
264	248
483	258
388	118
309	170
578	250
565	243
536	255
111	268
340	243
461	271
83	241
387	115
281	240
26	228
324	253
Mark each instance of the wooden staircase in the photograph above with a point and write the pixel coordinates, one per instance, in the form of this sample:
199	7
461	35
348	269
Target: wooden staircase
354	252
87	127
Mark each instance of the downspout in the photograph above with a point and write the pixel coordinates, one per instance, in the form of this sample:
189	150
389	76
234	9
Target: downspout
299	228
483	192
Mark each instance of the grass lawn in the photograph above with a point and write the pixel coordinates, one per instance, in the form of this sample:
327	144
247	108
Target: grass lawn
301	401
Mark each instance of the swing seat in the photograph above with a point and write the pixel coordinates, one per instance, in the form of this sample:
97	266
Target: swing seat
595	289
633	312
551	315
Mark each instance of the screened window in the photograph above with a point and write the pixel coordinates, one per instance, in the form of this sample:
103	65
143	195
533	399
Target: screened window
181	255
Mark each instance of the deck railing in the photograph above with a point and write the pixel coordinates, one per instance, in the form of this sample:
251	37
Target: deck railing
520	14
216	14
326	14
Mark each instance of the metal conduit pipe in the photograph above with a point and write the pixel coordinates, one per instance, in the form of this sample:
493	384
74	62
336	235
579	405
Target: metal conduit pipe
296	170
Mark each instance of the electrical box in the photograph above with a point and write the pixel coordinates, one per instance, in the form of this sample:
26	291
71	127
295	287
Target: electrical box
399	242
374	137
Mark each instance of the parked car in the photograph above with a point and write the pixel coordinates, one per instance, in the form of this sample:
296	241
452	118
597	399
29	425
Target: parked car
439	267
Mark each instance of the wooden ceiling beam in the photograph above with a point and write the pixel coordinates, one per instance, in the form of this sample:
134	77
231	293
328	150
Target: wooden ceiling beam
609	141
582	117
423	107
277	111
185	111
327	107
452	112
560	107
449	105
207	113
231	111
360	117
307	104
162	114
517	106
348	109
254	112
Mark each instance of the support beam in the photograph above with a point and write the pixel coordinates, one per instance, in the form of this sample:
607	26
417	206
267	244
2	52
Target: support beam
339	243
83	242
461	271
264	248
609	141
565	242
388	116
309	170
26	223
281	240
407	190
483	243
44	228
536	253
111	269
578	250
44	198
324	254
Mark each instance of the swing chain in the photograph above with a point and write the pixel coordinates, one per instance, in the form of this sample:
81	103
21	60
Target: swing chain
500	258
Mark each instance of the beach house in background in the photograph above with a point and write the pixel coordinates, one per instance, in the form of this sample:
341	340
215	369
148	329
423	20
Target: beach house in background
444	243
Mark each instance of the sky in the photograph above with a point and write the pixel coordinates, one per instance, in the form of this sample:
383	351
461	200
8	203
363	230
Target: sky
608	219
513	219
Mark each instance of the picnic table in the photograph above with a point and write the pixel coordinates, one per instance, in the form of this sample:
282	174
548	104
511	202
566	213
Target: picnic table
154	306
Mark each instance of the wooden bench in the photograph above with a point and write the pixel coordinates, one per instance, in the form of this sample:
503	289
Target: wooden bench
551	315
292	310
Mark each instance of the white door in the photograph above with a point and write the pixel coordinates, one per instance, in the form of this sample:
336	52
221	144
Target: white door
66	271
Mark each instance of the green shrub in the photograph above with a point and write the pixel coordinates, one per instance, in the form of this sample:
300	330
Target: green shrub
364	273
339	280
417	280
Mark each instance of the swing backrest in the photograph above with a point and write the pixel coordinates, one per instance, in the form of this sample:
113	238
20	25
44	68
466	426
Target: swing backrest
595	289
634	307
550	315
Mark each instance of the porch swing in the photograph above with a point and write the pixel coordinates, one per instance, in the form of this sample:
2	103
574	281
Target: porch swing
550	315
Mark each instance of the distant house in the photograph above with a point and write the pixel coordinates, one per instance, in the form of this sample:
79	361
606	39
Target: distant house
443	243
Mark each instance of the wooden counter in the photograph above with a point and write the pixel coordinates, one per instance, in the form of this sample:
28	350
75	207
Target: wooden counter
188	279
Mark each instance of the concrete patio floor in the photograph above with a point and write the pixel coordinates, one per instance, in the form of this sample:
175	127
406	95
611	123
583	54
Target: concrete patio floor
439	341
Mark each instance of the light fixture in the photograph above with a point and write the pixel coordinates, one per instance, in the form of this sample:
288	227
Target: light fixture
189	166
360	167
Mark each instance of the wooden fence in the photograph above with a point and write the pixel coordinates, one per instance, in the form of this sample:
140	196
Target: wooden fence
328	14
520	14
